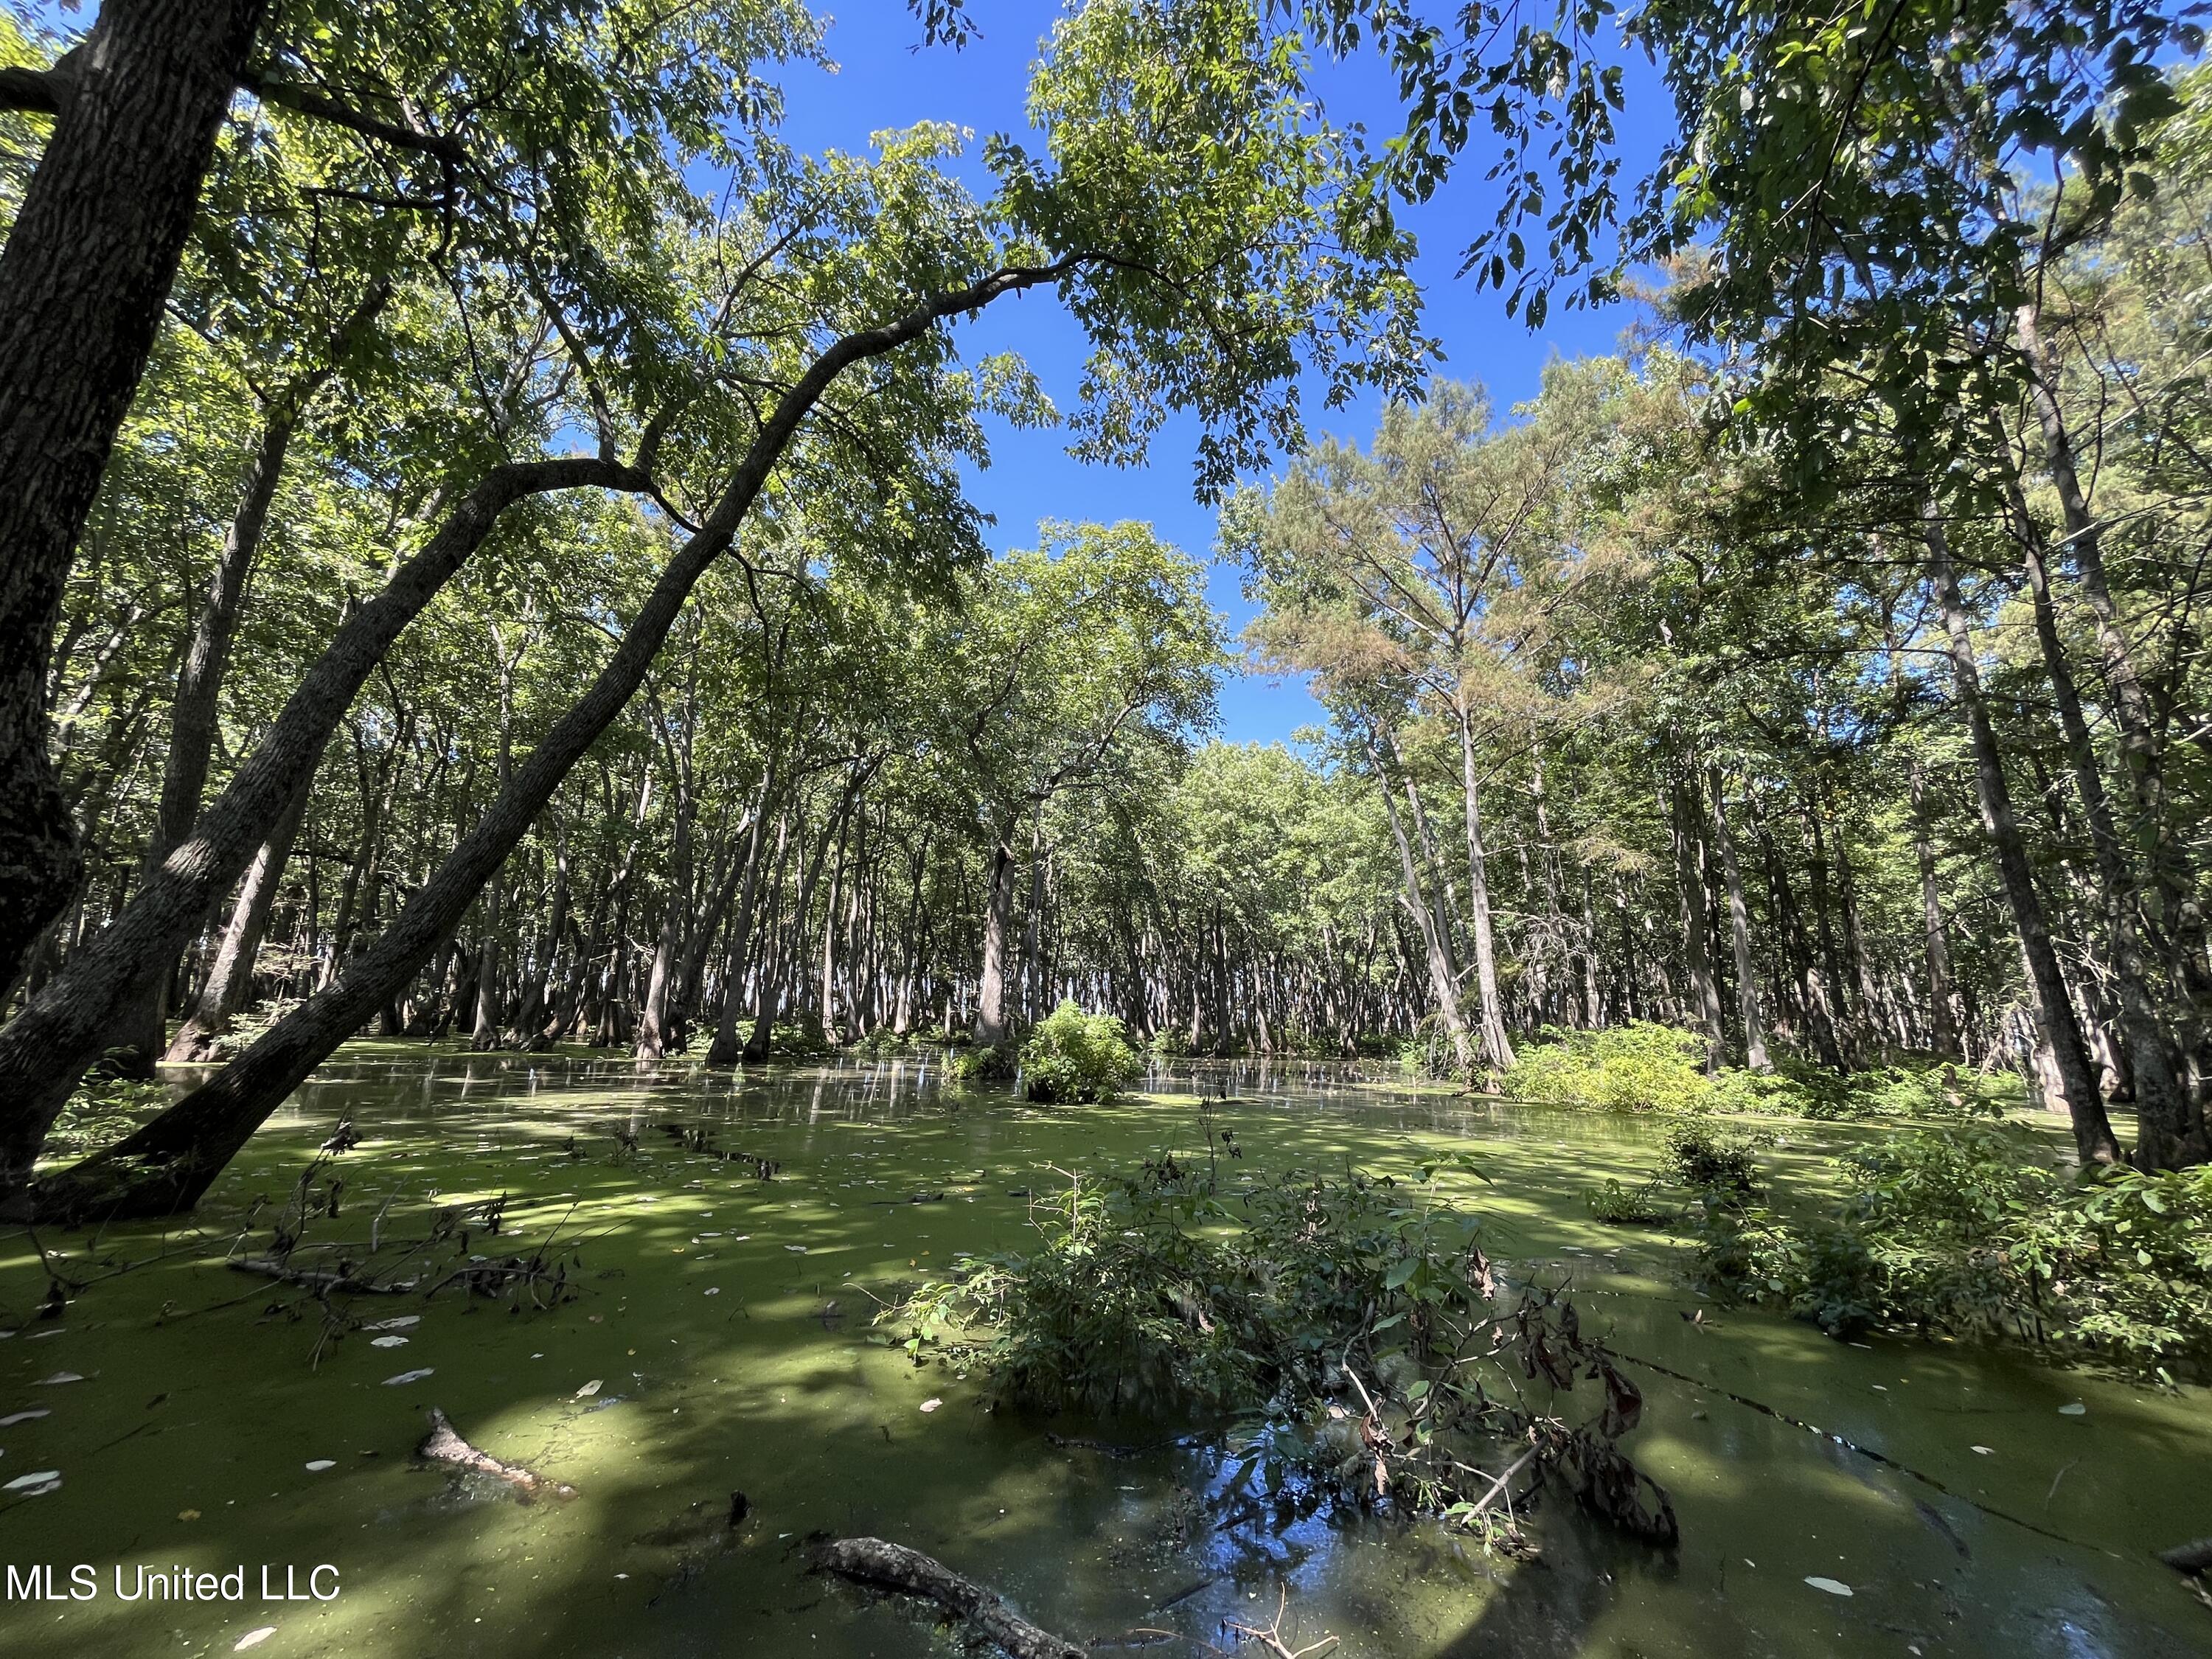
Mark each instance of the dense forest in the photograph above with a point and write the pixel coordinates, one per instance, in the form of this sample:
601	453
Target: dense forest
530	597
532	781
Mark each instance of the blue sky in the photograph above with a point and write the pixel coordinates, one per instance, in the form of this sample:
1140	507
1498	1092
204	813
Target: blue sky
882	83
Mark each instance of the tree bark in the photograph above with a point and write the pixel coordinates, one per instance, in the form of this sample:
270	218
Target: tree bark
1496	1048
2061	1030
230	980
991	978
83	278
1689	884
1748	1000
1436	943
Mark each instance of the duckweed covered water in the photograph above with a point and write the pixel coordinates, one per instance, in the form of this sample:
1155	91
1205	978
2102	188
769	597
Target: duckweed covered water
725	1320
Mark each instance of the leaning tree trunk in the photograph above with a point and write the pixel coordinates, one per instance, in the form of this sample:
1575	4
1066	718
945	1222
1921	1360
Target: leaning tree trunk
84	279
45	1048
165	1166
2168	1134
2093	1130
199	683
230	980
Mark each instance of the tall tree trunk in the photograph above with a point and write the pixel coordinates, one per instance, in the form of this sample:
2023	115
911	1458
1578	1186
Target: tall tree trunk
997	917
1436	941
83	278
1690	886
1942	1015
2169	1134
1748	1000
726	1049
2093	1130
1497	1048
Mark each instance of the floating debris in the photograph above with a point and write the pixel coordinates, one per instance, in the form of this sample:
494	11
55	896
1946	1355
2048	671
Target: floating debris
590	1388
931	1405
1830	1585
2077	1409
254	1638
388	1342
321	1463
13	1419
408	1376
59	1376
36	1484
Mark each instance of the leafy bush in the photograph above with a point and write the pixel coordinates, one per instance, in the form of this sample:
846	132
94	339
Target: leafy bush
995	1062
1626	1206
1701	1158
1797	1088
1358	1319
101	1112
1075	1056
1964	1225
1638	1067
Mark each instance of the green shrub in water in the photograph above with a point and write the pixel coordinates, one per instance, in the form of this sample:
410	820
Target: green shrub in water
1638	1067
995	1062
101	1112
1074	1056
1626	1206
1964	1225
1350	1325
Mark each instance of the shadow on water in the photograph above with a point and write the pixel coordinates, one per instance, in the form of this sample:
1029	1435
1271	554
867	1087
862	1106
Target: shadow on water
725	1320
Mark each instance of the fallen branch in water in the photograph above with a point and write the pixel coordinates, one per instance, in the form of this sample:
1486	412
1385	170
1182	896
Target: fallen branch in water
873	1562
1270	1637
444	1444
315	1279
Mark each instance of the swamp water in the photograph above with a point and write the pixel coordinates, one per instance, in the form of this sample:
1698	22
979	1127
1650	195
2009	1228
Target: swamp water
2009	1508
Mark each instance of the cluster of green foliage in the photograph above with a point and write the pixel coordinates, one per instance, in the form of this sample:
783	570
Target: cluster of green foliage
984	1062
1346	1323
1073	1056
1642	1067
1961	1225
1622	1205
101	1111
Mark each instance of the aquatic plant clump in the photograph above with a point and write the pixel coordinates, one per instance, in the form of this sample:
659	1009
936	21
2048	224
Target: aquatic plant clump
1962	1227
1072	1056
1350	1327
1641	1066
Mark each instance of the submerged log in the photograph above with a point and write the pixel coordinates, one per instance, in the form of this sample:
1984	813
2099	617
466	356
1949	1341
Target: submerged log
444	1444
2195	1556
882	1565
317	1280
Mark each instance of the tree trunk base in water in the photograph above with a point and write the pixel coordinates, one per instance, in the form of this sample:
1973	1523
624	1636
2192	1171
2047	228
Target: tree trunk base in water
881	1565
123	1183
